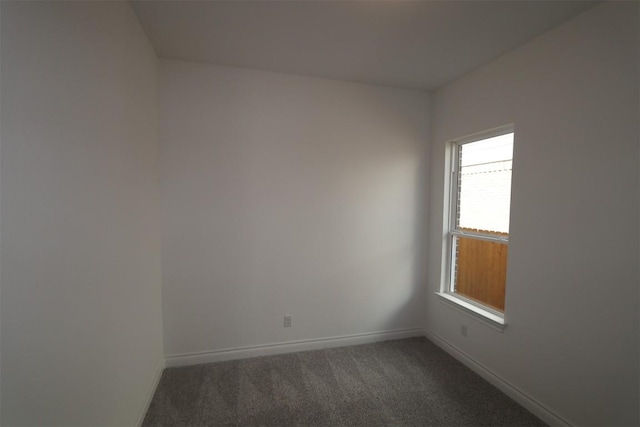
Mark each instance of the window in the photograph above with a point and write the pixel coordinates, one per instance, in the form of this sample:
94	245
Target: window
478	233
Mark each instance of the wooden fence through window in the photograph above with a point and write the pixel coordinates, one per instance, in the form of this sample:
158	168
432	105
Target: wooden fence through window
481	270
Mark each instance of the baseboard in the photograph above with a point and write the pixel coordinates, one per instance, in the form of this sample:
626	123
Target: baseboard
535	407
151	392
288	347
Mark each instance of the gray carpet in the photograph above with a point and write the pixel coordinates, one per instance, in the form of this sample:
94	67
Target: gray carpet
404	382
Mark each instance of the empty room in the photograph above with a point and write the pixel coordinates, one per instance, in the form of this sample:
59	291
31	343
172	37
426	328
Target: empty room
319	213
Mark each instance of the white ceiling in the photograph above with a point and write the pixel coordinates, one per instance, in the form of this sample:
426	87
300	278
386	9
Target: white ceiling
411	44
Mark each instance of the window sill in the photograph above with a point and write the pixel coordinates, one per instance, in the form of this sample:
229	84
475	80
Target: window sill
488	318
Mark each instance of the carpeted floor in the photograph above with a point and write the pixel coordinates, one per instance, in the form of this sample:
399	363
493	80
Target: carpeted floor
404	382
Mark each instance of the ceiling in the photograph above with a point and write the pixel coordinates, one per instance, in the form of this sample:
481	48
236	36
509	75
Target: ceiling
410	44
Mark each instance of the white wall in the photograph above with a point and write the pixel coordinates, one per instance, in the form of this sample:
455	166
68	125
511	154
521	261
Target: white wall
81	308
287	195
572	295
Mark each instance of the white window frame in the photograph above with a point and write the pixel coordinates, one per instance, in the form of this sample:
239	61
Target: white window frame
484	313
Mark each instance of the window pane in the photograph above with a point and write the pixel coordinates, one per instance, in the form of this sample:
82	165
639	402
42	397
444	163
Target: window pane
480	271
485	184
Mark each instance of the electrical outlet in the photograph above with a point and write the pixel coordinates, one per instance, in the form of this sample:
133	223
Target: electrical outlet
463	330
287	321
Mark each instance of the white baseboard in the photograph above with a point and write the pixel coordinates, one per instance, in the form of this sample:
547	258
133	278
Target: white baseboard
533	406
151	392
288	347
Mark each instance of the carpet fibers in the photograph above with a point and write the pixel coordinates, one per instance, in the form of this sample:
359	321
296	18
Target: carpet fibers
403	382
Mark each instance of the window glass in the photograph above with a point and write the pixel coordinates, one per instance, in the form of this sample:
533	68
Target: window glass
479	233
485	184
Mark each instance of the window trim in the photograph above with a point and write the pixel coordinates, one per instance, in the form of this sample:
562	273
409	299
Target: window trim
482	312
